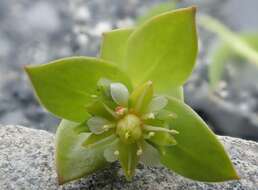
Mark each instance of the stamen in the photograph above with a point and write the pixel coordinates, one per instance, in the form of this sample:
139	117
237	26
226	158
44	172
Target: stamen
116	153
110	111
149	116
93	96
139	152
151	134
161	129
108	126
173	115
127	135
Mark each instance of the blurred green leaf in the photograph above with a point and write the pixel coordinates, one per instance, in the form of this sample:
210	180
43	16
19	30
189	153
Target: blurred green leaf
224	52
66	86
232	44
198	154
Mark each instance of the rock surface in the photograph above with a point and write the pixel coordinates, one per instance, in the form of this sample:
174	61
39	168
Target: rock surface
27	162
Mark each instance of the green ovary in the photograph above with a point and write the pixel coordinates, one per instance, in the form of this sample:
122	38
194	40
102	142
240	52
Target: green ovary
129	129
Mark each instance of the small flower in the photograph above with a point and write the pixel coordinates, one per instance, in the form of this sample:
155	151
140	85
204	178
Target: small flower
131	126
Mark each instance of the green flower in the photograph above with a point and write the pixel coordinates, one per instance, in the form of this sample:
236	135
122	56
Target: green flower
110	112
138	123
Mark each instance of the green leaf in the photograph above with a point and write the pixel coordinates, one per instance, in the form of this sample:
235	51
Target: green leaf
128	158
141	97
157	50
156	10
72	160
114	45
67	85
198	154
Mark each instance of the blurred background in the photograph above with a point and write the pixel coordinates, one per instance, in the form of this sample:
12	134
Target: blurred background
223	88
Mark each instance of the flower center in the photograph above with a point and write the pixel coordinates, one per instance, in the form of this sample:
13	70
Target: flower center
129	129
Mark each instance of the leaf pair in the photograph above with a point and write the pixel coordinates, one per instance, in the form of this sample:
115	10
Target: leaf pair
163	49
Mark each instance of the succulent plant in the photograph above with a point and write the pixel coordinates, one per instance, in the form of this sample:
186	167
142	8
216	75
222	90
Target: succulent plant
128	105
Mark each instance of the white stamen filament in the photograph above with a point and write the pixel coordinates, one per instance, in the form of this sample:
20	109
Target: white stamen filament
108	126
160	129
110	111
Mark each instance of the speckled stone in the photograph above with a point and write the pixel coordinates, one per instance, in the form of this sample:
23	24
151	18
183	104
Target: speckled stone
27	162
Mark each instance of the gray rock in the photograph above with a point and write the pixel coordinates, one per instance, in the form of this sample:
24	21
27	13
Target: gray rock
27	162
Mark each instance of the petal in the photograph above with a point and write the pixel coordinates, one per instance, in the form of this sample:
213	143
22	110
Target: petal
96	124
158	103
111	152
119	93
150	156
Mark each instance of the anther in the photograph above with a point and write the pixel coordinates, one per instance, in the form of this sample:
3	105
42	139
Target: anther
149	116
139	152
151	134
116	153
127	135
172	115
93	96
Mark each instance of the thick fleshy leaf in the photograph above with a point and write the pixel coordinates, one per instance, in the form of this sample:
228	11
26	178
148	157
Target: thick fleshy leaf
141	97
128	158
119	93
114	45
157	50
198	154
72	160
66	86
